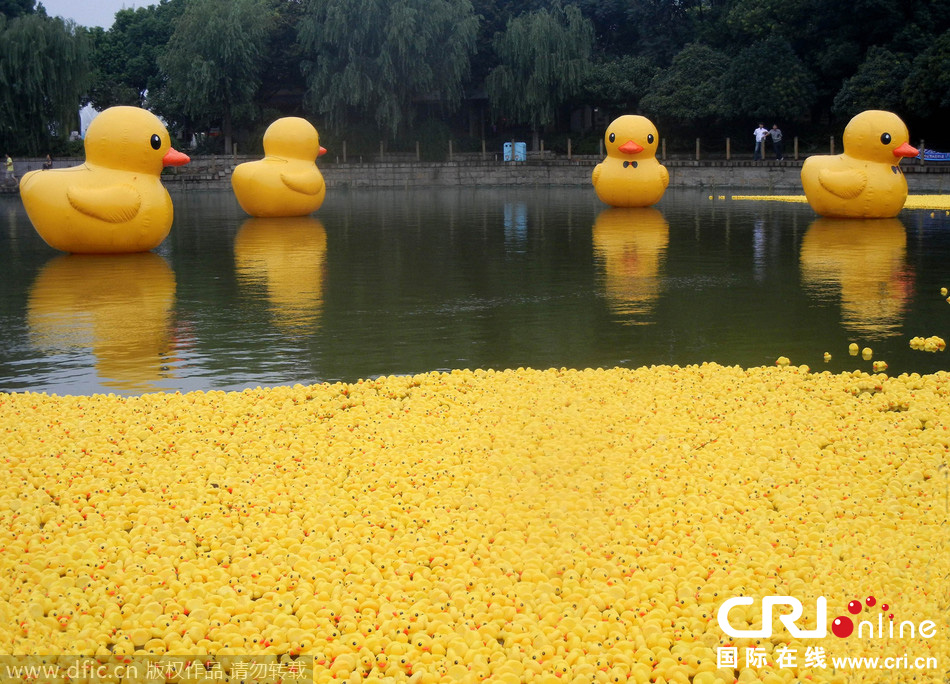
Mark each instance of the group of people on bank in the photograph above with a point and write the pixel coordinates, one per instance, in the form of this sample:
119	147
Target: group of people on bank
761	135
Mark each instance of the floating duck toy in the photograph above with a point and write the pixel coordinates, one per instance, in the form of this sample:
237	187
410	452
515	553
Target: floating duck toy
115	202
631	176
286	182
865	181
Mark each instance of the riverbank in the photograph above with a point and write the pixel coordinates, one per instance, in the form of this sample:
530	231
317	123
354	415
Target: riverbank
770	176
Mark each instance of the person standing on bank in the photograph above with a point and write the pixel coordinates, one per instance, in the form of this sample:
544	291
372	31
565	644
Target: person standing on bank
10	178
776	134
760	134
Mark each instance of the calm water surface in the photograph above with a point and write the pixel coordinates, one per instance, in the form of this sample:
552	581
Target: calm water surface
386	282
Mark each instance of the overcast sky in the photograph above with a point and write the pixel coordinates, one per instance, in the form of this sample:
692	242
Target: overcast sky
91	12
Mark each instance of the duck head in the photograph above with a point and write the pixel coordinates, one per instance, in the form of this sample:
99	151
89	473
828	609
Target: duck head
294	138
879	136
131	139
631	136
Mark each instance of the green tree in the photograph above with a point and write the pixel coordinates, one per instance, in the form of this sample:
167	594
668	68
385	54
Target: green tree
370	60
16	8
876	85
44	67
927	88
126	56
767	80
619	83
212	62
544	58
690	90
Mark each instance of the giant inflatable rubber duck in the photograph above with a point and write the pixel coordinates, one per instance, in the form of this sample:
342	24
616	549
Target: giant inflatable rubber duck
865	181
286	182
115	202
631	176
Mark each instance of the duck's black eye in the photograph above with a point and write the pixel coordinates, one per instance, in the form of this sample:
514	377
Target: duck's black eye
612	137
156	141
886	138
650	138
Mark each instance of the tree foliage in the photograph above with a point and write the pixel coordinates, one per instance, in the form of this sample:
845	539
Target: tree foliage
544	57
126	56
876	84
767	80
927	87
619	83
212	62
377	69
691	88
44	65
372	59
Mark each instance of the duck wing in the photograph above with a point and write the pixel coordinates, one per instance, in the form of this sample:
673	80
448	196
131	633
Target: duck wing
664	176
306	182
596	174
112	203
846	184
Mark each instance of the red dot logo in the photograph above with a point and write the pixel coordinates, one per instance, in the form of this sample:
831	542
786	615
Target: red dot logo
854	607
842	627
870	600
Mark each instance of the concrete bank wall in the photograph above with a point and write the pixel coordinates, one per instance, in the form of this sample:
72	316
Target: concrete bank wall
736	176
762	177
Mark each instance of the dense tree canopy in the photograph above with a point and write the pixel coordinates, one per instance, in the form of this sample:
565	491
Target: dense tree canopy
44	66
544	57
213	61
401	68
372	59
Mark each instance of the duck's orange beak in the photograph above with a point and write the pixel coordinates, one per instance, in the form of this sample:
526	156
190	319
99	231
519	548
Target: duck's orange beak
322	151
630	147
905	150
175	158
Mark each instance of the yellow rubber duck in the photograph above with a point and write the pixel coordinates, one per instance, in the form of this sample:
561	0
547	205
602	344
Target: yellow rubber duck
115	202
286	182
631	176
865	181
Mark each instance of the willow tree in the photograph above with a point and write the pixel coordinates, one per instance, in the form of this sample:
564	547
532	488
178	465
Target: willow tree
212	62
544	57
372	59
44	67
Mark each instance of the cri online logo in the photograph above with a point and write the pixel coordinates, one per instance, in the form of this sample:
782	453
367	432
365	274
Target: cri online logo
842	626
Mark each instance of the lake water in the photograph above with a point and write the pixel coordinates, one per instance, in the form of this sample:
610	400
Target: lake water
395	282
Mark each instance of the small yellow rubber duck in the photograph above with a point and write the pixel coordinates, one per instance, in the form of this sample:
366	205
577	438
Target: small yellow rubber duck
115	202
286	182
865	181
630	176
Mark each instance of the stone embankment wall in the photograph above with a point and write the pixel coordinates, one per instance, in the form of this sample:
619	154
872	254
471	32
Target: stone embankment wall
762	177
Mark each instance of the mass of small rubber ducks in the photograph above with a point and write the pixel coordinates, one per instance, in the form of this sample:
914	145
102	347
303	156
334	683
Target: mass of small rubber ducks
929	344
506	526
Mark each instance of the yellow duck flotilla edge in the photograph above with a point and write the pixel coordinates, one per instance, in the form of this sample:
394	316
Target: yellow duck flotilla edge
286	182
115	202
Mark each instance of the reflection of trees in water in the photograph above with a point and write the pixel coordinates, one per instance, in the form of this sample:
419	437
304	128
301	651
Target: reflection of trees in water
864	261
